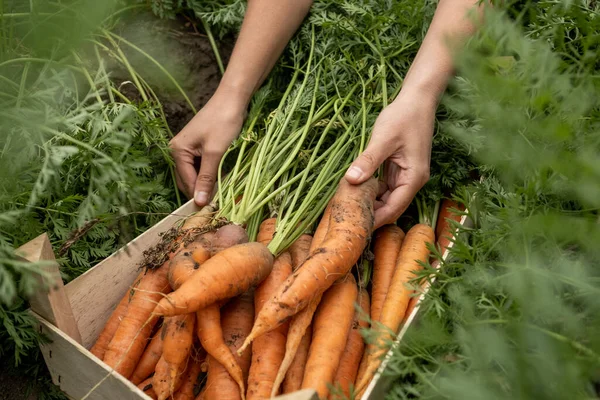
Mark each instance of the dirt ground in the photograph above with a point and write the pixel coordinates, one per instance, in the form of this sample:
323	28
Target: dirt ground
188	56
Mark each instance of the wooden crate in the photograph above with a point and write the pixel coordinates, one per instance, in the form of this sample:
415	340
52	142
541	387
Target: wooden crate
73	315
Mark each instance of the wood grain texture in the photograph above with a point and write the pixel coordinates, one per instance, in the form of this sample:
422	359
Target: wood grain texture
75	370
95	294
52	303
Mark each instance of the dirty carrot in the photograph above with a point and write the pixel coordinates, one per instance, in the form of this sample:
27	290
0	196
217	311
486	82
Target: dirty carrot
162	384
295	372
210	334
331	328
350	226
355	346
146	387
177	343
189	259
237	317
388	240
190	381
299	250
225	275
269	349
149	359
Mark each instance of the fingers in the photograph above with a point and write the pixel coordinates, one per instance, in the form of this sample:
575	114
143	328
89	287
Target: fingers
367	163
185	172
205	181
395	203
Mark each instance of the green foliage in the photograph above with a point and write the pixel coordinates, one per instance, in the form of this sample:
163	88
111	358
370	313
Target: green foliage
79	159
514	313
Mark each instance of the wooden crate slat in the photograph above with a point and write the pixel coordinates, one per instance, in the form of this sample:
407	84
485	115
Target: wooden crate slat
75	369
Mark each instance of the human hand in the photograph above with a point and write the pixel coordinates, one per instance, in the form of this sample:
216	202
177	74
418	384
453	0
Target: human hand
401	138
207	136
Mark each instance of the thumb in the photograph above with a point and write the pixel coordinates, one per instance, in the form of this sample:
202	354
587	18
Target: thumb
205	181
366	164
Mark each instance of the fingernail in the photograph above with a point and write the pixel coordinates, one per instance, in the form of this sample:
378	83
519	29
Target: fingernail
354	173
201	198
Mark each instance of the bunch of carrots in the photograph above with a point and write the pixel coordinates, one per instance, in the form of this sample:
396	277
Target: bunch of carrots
225	318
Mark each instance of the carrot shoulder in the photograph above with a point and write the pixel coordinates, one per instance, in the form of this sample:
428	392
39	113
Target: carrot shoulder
225	275
331	329
350	226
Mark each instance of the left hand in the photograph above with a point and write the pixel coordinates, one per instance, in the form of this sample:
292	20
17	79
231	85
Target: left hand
401	138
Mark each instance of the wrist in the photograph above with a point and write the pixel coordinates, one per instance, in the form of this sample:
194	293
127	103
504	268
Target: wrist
423	97
236	97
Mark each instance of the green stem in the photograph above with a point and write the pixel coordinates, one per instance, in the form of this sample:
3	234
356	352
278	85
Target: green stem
213	44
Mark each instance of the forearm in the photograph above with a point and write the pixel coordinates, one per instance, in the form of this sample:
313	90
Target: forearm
433	67
267	28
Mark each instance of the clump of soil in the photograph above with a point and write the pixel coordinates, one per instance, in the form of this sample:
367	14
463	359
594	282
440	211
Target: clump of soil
183	50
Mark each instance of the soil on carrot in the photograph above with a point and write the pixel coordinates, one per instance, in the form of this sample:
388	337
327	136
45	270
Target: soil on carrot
188	56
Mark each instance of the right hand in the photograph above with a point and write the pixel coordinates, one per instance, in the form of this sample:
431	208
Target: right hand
207	136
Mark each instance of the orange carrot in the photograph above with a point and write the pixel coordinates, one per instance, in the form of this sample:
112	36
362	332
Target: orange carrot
178	340
161	381
190	387
350	225
146	387
211	337
355	346
189	259
444	233
149	359
99	348
295	373
296	348
269	349
225	275
237	317
299	250
199	219
130	339
331	329
414	250
388	240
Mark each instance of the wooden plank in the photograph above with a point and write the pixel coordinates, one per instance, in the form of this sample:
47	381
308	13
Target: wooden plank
75	370
53	304
95	294
380	383
305	394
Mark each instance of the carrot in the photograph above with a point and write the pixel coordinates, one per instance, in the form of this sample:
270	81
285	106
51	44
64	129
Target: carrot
190	387
414	250
296	347
189	259
299	250
202	394
444	233
178	340
237	317
350	225
355	346
388	240
295	372
162	384
128	343
331	329
211	337
269	349
200	218
149	359
226	275
228	236
444	230
99	348
146	387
